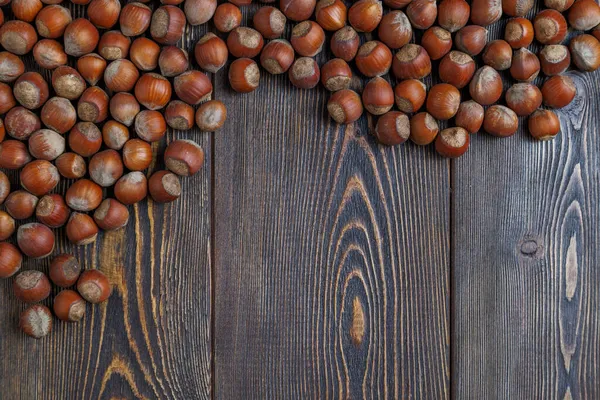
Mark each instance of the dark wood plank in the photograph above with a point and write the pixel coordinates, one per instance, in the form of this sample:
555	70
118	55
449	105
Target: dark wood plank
152	338
525	276
331	255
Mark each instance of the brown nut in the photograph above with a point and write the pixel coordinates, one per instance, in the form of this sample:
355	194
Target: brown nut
49	54
244	75
84	195
344	43
331	15
164	187
584	15
193	87
106	167
81	229
244	42
365	15
199	11
453	14
150	125
31	286
470	116
111	215
18	37
39	177
277	56
59	115
184	157
80	37
91	67
228	17
71	165
46	144
395	30
411	62
10	260
52	211
135	19
20	123
52	21
269	21
554	59
345	106
486	86
519	32
131	188
144	53
85	139
558	91
31	90
167	25
585	51
525	65
69	306
153	91
443	101
471	39
307	38
11	67
437	42
21	204
114	135
485	12
64	270
113	45
523	98
67	83
422	13
211	116
543	125
304	73
36	321
410	95
13	154
336	75
104	13
35	241
550	27
378	96
93	105
498	55
373	59
124	107
500	121
392	128
174	61
211	53
179	115
457	69
121	76
137	155
452	142
7	225
94	286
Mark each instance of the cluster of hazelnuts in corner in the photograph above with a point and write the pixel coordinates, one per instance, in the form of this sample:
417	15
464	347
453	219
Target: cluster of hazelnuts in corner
33	287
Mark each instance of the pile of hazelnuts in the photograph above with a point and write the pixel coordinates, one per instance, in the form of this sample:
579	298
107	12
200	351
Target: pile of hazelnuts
92	125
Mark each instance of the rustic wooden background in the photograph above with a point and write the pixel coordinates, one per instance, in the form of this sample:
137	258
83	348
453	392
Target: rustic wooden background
307	261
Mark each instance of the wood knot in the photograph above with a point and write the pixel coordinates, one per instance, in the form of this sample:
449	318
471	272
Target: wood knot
357	329
531	247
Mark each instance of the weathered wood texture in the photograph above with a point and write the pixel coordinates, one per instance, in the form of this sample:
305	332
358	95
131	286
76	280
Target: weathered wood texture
525	271
152	338
331	255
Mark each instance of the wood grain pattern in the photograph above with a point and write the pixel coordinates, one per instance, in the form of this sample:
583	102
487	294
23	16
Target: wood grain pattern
331	255
152	338
525	278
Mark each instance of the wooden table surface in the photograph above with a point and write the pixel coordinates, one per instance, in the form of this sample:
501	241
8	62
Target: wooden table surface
307	261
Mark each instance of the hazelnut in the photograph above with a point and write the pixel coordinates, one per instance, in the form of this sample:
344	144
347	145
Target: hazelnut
373	59
4	187
395	30
11	67
67	82
131	188
297	10
378	96
59	115
52	211
498	55
36	321
457	69
345	106
471	39
21	204
167	25
193	87
244	42
35	241
150	125
71	165
20	123
336	75
174	61
10	260
500	121
93	105
106	168
31	90
80	37
453	14
164	187
304	73
211	116
437	42
18	37
423	129
244	75
585	51
46	145
410	95
517	8
330	15
113	45
422	13
121	76
13	154
135	19
523	98
344	43
559	5
85	195
525	66
485	12
52	21
49	54
153	91
486	86
211	53
584	15
7	225
411	62
443	101
452	142
111	215
64	270
392	128
69	306
184	157
81	229
269	21
543	125
199	11
179	115
554	59
94	286
91	67
85	139
558	91
7	100
124	108
550	27
104	13
277	56
307	38
114	135
137	155
39	177
519	32
470	116
31	286
144	54
228	17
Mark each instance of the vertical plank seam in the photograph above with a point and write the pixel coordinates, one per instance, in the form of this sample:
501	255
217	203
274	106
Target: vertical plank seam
451	266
